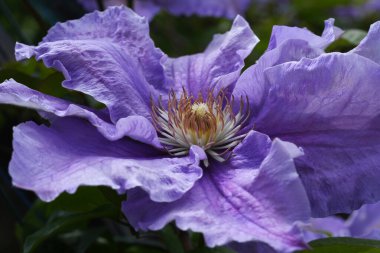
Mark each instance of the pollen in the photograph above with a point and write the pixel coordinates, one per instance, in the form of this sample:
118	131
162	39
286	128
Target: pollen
208	122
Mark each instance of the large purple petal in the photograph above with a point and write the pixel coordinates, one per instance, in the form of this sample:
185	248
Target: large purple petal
135	127
329	106
369	47
218	66
281	34
71	153
236	201
215	8
108	55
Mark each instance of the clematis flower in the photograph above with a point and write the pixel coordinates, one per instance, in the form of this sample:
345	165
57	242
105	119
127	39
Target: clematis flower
358	11
171	135
149	8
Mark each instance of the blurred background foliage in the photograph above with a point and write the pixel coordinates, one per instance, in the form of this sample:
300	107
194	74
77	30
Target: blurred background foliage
90	220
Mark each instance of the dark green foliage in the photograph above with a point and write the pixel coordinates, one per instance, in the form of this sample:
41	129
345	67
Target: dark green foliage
344	245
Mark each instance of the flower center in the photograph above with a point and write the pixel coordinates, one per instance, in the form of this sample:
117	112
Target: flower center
208	122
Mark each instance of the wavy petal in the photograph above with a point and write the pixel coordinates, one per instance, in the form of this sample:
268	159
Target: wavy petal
135	127
329	106
369	47
236	203
280	34
108	55
71	153
218	66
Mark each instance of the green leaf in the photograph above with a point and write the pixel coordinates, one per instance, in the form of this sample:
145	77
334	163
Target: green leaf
172	240
354	36
344	245
63	222
88	238
86	199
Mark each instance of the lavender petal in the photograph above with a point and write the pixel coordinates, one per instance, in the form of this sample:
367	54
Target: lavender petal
281	34
369	46
71	153
135	127
108	55
329	106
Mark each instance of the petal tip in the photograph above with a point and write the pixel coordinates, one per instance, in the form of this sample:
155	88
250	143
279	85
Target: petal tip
23	51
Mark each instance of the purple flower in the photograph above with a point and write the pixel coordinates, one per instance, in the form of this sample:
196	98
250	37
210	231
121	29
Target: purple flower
361	11
206	169
363	223
215	8
149	8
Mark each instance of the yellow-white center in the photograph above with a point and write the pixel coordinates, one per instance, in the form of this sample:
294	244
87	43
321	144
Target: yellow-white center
208	123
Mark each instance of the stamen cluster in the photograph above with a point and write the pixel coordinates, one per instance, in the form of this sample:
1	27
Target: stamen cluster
207	122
